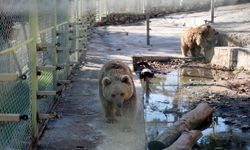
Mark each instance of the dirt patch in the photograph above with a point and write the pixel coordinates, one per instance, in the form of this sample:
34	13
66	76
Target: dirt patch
227	91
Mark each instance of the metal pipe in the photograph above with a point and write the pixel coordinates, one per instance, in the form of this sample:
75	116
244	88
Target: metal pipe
212	11
33	15
46	93
9	50
8	76
54	42
148	24
12	117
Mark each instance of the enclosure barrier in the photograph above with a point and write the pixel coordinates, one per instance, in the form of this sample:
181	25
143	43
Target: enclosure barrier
40	42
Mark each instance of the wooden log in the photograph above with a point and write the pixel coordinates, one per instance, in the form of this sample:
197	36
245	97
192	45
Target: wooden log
186	141
189	121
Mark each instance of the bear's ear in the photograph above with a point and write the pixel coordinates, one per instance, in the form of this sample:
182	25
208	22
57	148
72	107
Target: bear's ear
125	79
106	81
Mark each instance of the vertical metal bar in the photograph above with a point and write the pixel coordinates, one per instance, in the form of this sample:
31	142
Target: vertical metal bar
68	43
212	11
77	30
148	28
33	14
54	40
142	6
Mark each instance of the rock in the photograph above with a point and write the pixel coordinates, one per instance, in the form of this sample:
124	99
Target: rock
242	90
122	18
241	116
228	121
236	122
211	96
218	148
191	79
245	127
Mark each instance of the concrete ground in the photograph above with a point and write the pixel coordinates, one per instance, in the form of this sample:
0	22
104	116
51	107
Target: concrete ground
82	124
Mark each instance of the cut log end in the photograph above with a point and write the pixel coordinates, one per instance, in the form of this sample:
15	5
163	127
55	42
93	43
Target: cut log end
156	145
178	132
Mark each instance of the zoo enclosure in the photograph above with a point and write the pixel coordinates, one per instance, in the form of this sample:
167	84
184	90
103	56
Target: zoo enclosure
40	42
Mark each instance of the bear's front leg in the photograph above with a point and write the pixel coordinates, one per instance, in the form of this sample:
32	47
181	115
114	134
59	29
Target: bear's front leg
129	112
118	112
184	50
110	112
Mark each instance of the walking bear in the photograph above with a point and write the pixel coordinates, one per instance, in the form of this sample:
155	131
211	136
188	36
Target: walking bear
117	92
196	39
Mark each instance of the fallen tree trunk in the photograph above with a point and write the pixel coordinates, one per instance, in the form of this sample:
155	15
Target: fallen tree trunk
186	141
189	121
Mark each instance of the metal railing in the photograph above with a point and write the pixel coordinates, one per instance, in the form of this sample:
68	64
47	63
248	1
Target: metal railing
40	42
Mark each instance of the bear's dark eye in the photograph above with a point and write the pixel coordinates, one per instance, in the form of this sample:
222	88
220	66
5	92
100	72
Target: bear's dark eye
113	95
122	94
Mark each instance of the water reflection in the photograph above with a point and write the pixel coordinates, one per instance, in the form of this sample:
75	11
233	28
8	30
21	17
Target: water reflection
166	99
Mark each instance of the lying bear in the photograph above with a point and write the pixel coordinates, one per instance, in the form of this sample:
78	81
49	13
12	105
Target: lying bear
199	38
117	92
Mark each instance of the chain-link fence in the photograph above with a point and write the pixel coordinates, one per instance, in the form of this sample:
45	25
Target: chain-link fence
155	7
40	42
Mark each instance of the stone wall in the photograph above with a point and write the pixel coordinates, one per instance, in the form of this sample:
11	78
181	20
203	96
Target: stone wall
121	18
231	57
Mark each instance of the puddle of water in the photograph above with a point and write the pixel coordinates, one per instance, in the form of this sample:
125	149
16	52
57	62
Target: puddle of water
166	98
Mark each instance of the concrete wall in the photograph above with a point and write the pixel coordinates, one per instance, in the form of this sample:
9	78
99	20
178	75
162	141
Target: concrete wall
243	58
231	57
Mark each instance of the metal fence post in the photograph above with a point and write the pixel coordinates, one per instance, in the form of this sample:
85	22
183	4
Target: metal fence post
68	42
148	25
33	14
54	43
212	11
77	31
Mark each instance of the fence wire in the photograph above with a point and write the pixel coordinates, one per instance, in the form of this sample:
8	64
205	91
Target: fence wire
60	29
15	96
63	30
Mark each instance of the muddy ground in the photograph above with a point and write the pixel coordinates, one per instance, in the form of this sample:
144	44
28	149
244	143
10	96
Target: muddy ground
227	91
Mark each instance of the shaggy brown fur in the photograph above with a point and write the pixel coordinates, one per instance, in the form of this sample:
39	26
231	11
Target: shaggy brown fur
196	39
117	91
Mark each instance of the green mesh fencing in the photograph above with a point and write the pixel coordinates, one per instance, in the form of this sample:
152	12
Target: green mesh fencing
62	57
46	24
63	29
15	96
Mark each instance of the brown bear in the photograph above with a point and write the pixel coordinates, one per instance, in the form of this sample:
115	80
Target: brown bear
198	38
117	92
